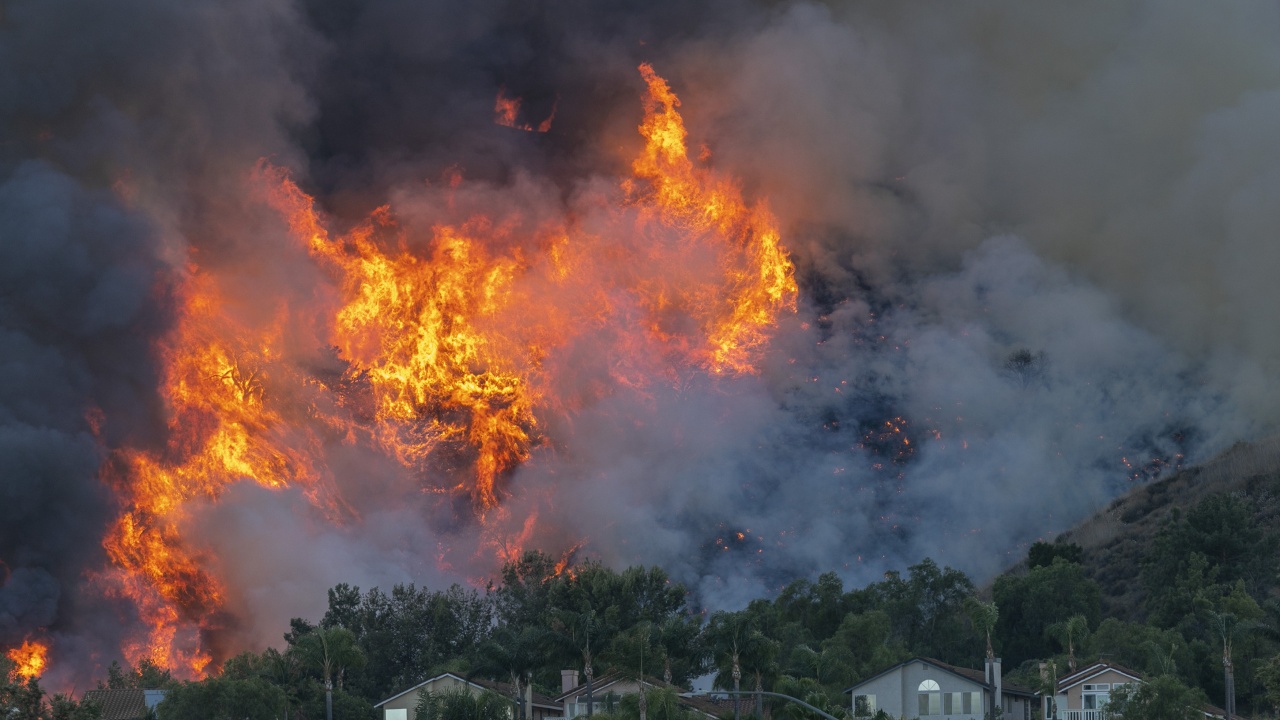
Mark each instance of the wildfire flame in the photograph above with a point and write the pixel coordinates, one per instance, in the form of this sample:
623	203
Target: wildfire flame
29	659
449	339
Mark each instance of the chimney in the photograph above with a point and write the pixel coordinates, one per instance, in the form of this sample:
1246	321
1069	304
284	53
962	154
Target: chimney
568	680
994	684
999	685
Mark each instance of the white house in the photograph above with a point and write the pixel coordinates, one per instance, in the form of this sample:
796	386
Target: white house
608	689
401	706
928	688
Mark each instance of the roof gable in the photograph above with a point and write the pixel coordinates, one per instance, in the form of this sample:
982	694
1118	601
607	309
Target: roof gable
597	684
503	689
973	676
1093	671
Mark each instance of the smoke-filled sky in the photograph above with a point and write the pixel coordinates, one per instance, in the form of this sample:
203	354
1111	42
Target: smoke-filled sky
1034	241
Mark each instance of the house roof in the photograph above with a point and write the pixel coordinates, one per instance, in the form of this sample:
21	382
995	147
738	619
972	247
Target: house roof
119	703
706	706
597	684
977	677
1093	671
501	688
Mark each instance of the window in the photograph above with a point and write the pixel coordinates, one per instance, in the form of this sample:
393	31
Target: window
1095	696
397	714
930	698
864	705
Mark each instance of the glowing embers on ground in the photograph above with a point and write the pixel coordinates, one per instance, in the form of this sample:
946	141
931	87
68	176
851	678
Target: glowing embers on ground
455	339
29	659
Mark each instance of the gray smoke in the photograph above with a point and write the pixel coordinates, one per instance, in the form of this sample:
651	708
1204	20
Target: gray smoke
1033	245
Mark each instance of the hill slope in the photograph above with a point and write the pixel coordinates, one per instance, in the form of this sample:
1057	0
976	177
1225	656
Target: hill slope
1116	539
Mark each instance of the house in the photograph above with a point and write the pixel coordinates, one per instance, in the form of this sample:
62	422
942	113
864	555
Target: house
1084	693
608	689
402	705
928	688
125	703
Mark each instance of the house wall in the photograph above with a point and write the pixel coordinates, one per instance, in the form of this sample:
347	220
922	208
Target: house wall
897	692
1075	693
1017	707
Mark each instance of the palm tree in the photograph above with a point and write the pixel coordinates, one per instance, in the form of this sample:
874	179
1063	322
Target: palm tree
760	656
578	631
331	650
629	652
1070	633
515	654
984	615
728	633
679	640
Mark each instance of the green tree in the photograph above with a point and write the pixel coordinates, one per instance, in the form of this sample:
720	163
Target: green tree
523	597
406	633
1042	554
1149	649
864	639
63	707
1269	676
1163	698
927	608
147	676
818	607
513	653
330	651
809	690
219	698
683	653
1030	603
1219	541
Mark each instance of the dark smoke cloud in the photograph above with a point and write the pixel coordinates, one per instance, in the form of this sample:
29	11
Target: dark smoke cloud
76	274
1034	241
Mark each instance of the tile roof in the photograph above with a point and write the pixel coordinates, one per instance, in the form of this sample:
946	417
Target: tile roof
119	704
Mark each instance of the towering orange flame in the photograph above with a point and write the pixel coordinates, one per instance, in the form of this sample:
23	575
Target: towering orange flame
29	659
452	341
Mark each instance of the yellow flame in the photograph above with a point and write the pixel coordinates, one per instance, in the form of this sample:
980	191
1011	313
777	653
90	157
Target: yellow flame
29	659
